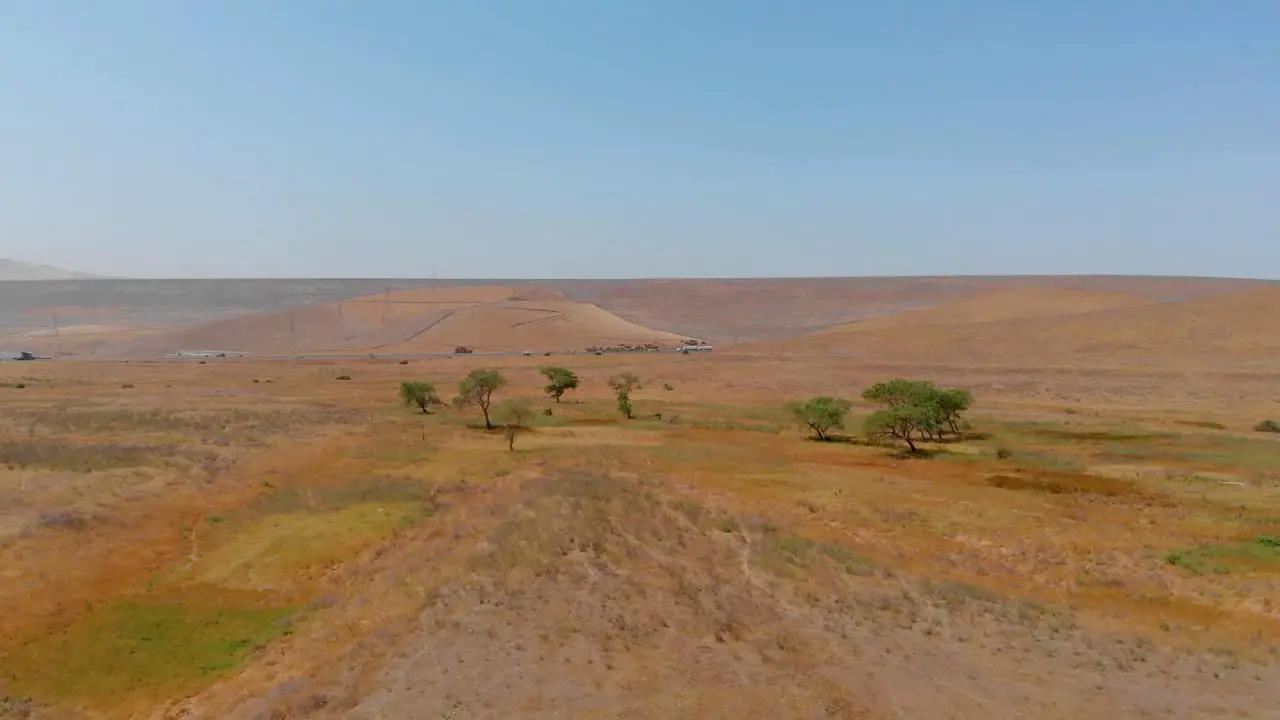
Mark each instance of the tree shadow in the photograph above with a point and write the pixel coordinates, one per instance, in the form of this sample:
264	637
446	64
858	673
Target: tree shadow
832	439
917	454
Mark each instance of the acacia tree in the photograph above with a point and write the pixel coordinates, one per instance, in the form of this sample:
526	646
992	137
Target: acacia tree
422	394
559	381
515	416
477	389
622	386
915	406
952	402
821	414
899	422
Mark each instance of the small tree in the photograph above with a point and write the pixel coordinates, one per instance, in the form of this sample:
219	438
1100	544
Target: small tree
951	402
899	422
559	381
622	385
821	414
515	416
422	394
477	389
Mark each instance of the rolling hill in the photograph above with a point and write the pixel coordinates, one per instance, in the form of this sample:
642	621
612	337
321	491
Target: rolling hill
998	306
1236	331
485	318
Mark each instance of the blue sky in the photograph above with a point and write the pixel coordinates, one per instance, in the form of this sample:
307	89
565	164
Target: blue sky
598	138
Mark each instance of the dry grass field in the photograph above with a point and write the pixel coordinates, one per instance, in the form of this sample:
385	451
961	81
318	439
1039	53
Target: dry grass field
263	539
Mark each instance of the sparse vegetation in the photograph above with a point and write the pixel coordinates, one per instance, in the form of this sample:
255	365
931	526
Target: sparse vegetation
609	535
477	389
1262	553
1268	426
515	416
559	381
421	394
623	385
821	415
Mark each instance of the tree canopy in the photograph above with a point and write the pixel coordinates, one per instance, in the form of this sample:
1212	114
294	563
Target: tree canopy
515	415
622	386
915	407
559	381
820	414
422	394
477	389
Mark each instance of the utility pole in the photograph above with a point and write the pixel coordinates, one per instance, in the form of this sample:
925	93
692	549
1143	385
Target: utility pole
292	333
386	303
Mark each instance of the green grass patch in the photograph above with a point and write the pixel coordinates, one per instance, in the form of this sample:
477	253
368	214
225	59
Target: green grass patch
129	648
1260	554
272	550
1042	459
1064	484
1206	424
1103	436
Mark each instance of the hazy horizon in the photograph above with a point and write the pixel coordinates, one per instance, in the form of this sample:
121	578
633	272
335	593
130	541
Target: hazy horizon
394	140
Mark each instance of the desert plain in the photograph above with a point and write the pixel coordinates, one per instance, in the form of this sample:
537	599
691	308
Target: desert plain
277	535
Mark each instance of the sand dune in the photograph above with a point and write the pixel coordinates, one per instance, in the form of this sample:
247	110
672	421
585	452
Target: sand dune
1238	331
412	321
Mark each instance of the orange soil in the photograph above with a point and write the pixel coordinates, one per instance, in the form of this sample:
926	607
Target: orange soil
1002	305
1234	332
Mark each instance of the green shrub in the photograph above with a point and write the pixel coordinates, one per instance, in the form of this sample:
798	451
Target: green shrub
1268	426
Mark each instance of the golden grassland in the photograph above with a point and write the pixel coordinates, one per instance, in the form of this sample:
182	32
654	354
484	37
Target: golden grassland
262	539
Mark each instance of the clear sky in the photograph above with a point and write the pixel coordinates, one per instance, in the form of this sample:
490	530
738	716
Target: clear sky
640	138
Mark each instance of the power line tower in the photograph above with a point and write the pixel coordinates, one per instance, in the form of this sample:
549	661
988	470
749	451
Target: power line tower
293	333
386	303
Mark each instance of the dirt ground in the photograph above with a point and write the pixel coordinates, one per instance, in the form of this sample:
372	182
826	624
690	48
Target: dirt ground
257	539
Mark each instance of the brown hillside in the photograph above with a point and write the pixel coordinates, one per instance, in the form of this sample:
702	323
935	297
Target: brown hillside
746	310
412	321
1002	305
518	325
1230	332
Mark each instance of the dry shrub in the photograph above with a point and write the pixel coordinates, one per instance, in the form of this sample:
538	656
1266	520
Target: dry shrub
64	519
1064	483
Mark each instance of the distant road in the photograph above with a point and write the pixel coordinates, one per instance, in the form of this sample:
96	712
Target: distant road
410	356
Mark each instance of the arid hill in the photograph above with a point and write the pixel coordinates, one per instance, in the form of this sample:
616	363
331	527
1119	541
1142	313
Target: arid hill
747	310
1235	332
491	318
1002	305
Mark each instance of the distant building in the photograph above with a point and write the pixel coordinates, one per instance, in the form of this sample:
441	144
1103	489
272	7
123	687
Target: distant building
16	355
